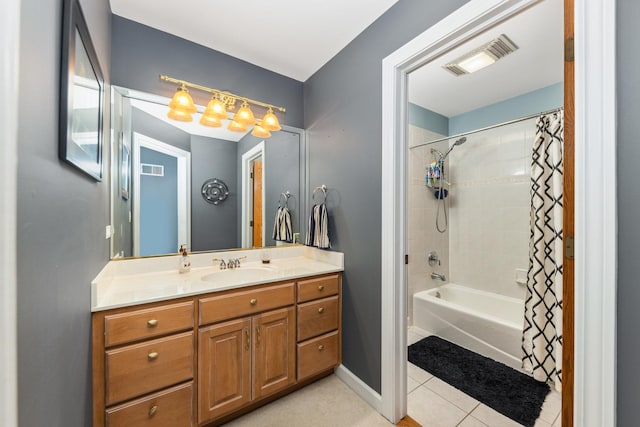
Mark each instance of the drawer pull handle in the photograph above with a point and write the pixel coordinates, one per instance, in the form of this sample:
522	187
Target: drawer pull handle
320	347
247	346
152	323
321	288
152	356
253	301
321	310
153	410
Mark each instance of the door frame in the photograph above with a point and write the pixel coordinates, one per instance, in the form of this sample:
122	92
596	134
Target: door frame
247	194
9	81
595	209
184	187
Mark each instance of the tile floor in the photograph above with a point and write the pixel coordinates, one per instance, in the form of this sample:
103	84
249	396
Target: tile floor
434	403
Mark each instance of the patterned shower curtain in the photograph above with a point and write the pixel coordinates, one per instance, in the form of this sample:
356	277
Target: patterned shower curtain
542	335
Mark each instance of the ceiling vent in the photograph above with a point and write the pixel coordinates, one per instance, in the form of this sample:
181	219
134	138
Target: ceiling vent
482	56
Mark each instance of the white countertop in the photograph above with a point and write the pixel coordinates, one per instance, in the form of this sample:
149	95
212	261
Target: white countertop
125	283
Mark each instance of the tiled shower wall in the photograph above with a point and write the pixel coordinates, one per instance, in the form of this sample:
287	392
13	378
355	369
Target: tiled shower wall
422	236
489	211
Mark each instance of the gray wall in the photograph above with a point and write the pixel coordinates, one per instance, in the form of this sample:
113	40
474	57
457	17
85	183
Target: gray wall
343	106
61	219
628	352
152	127
140	54
213	226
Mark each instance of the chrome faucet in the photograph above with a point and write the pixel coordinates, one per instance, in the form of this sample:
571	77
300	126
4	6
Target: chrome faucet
234	262
223	265
439	276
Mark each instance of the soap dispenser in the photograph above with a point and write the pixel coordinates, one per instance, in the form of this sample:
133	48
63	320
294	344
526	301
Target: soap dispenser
184	266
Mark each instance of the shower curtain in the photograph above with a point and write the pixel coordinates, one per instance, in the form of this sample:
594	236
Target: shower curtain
542	335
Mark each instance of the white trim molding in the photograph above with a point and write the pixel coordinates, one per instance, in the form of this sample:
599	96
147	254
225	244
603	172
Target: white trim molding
365	392
595	218
247	194
9	81
596	214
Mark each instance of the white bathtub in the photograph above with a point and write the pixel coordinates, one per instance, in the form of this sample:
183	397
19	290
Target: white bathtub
487	323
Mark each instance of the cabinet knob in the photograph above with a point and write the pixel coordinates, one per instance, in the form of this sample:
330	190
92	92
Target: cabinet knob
320	347
152	356
321	310
153	410
320	288
253	301
152	323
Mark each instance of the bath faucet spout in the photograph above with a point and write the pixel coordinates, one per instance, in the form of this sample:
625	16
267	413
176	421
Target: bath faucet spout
439	276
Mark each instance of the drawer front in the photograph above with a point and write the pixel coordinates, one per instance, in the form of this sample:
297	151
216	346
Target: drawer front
242	303
317	355
169	408
142	368
140	324
318	288
317	317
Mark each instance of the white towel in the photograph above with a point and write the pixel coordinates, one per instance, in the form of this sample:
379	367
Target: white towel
318	232
282	225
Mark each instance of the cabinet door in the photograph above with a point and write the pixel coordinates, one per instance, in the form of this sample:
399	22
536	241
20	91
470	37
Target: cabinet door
274	351
224	364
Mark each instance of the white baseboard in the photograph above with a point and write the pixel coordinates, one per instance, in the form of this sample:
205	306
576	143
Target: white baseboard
367	394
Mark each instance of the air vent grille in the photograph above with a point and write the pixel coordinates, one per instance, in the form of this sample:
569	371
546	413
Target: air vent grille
497	48
151	170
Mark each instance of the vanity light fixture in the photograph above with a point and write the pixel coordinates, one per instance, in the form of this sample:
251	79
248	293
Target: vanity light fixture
182	108
482	56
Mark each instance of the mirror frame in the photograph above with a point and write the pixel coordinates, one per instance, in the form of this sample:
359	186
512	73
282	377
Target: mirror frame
73	20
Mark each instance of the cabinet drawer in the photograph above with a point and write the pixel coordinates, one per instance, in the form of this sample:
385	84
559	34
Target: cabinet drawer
318	288
142	368
242	303
317	317
148	323
169	408
317	355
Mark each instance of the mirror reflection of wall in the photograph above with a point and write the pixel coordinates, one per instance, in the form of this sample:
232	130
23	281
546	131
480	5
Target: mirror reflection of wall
165	206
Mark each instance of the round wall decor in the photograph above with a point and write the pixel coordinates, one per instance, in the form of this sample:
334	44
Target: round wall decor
214	191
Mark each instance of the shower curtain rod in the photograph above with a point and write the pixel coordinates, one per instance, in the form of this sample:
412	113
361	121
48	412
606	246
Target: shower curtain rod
521	119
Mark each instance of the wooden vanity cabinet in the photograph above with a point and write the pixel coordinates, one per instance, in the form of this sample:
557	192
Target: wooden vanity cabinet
201	360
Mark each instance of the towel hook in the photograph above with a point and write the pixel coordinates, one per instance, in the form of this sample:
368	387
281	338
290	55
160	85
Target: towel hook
322	188
286	196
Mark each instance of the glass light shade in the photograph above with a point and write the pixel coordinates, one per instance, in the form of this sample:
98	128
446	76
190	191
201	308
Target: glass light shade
236	127
180	115
270	121
244	115
212	122
215	108
260	132
183	101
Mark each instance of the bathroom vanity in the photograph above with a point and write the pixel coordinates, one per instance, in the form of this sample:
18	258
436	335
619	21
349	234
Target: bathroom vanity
200	348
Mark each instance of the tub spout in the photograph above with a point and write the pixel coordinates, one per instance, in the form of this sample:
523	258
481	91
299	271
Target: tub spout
439	276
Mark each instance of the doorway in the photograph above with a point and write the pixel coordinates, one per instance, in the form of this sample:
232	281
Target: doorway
595	263
161	201
253	195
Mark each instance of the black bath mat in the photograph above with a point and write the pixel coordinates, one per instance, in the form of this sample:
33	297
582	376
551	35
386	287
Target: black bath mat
512	393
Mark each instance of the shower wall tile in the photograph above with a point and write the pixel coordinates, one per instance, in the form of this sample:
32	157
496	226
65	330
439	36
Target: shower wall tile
489	215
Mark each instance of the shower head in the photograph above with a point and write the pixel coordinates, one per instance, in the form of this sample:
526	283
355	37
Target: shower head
454	145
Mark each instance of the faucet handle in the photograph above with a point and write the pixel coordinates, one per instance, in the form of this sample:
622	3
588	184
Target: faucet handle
223	265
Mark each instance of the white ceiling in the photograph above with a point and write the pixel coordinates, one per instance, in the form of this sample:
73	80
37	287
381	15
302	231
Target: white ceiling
291	37
537	63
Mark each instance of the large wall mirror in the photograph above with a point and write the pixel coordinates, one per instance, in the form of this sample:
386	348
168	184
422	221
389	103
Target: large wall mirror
175	183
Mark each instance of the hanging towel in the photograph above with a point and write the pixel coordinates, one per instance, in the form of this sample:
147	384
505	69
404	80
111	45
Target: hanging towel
318	232
282	225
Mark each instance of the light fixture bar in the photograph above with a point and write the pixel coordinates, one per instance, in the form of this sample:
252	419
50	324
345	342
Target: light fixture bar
212	91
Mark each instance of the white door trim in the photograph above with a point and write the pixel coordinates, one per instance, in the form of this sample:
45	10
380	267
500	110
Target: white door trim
184	187
595	150
247	194
9	80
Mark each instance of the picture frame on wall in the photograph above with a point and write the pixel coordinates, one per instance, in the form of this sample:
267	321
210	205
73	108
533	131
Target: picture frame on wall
125	172
81	95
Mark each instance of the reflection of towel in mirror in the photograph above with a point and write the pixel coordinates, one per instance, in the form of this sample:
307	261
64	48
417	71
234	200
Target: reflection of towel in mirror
318	232
282	225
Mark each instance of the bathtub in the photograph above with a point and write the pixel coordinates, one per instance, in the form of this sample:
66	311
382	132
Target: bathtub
487	323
